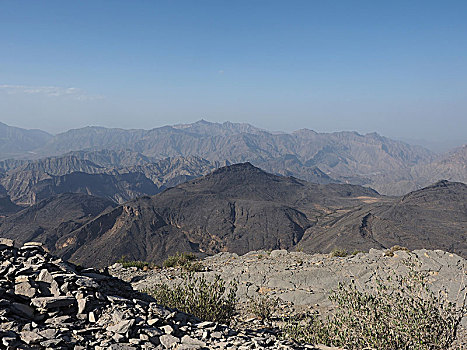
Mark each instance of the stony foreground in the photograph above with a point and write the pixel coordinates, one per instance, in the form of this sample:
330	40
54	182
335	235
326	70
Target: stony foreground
46	303
303	282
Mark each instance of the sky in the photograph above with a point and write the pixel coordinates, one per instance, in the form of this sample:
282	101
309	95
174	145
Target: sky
395	67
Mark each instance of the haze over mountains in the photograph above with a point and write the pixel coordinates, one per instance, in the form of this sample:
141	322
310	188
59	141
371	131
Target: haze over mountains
391	167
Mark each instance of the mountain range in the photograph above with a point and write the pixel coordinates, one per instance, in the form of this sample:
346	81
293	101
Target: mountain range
239	208
94	195
391	167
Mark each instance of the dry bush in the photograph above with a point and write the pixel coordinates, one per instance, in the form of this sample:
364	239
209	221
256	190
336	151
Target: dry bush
397	313
210	301
392	250
263	306
186	261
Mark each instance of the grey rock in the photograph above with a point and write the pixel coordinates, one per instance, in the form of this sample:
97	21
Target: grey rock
26	289
44	276
87	282
92	317
153	321
51	343
32	244
277	253
53	302
122	347
22	310
7	242
83	303
168	341
122	327
167	329
30	337
192	341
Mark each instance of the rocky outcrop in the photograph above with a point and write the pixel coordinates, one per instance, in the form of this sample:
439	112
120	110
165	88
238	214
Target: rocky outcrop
46	303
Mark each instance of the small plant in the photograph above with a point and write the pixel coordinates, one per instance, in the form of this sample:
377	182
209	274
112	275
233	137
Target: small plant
339	253
210	301
398	313
392	250
143	265
355	252
263	306
187	261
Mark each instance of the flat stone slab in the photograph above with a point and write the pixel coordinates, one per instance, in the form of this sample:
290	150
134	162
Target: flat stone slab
52	302
7	242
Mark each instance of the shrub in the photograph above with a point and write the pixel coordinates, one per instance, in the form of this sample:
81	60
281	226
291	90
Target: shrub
338	253
187	261
392	250
134	263
398	313
263	306
210	301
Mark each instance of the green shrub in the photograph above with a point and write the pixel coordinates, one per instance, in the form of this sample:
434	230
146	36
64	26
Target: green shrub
210	301
134	263
263	306
398	313
187	261
339	253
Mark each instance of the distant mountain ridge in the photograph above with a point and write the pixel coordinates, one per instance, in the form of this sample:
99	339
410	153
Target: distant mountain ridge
391	167
28	182
17	141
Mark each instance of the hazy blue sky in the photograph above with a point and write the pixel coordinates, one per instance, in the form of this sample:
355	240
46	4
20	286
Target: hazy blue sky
395	67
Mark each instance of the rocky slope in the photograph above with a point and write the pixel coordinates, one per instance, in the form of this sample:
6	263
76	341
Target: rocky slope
52	218
434	217
240	208
236	208
46	303
7	207
98	173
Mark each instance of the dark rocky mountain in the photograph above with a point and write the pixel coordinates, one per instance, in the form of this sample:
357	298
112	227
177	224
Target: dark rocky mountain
118	188
7	207
34	181
240	208
53	217
18	142
434	217
237	208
